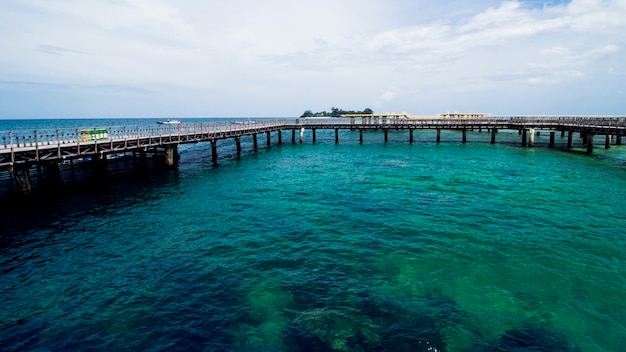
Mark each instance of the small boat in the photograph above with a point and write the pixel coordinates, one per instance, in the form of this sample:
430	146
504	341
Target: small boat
169	122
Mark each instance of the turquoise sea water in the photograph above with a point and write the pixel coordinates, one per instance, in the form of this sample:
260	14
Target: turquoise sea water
329	247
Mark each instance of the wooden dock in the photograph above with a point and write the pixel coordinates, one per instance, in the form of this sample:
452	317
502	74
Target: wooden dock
21	150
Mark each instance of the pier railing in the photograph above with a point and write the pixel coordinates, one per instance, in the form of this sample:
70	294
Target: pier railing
50	137
223	129
46	137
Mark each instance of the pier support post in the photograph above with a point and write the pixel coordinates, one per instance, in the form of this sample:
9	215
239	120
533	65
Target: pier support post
438	135
524	133
280	136
269	140
52	174
336	135
293	136
551	145
618	140
301	134
607	141
214	149
171	155
570	139
464	135
562	133
493	136
99	166
238	143
531	138
21	177
589	142
361	135
386	135
255	145
410	135
313	135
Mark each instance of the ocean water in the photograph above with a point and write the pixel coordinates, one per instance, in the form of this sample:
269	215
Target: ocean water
329	247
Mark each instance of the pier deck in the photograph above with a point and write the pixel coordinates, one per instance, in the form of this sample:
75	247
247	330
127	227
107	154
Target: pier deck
31	147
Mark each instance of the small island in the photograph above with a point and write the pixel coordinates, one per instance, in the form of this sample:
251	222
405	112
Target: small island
335	112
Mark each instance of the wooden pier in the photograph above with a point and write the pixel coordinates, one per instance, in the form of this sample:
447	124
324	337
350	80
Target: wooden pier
21	150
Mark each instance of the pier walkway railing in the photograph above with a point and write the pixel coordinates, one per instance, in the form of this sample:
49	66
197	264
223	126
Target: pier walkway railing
56	145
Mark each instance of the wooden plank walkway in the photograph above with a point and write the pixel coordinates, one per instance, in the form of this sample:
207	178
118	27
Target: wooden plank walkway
31	147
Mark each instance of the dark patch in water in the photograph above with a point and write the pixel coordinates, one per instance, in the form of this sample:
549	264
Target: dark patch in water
532	338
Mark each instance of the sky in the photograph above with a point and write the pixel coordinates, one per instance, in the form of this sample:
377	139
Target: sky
278	58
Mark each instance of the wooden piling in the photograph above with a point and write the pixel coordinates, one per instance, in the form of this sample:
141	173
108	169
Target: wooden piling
570	139
171	155
238	143
589	138
551	145
21	177
214	149
607	141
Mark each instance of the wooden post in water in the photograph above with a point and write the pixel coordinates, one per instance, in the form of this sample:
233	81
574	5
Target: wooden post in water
464	135
531	138
551	145
570	139
607	141
361	135
254	142
52	174
410	135
214	149
386	135
524	133
280	136
99	166
21	177
336	135
438	135
493	136
589	138
171	155
618	140
313	135
269	140
301	134
293	136
238	143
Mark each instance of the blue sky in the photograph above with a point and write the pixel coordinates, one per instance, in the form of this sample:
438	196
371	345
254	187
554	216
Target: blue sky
195	58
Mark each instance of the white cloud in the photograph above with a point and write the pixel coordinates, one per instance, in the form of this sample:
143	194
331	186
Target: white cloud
281	57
